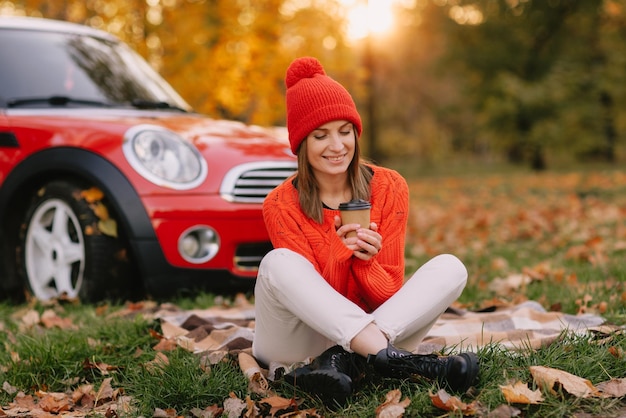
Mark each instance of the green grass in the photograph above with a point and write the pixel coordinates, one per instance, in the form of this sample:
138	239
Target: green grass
566	228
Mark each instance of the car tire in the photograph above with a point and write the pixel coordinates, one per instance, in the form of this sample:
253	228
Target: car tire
64	251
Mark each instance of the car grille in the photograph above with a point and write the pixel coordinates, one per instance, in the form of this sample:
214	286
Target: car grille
251	182
248	256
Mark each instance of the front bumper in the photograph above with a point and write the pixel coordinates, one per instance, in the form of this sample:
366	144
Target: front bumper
242	237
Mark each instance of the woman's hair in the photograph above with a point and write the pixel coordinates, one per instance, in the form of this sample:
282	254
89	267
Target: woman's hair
359	177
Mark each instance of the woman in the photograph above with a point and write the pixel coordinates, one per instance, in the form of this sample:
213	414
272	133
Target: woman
342	300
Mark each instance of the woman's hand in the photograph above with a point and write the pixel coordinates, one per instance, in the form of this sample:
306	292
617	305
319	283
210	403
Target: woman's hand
366	244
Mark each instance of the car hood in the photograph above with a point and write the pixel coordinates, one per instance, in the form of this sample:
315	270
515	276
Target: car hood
224	144
213	137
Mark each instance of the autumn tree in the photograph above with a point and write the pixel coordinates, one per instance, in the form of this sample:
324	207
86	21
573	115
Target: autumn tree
525	80
228	58
535	71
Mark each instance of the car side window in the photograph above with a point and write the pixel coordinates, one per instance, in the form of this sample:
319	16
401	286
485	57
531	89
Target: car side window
76	66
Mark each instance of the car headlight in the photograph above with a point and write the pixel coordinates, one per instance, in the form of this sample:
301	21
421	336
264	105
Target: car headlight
164	157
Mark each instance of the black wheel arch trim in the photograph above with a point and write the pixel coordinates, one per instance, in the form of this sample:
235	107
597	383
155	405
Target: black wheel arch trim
67	161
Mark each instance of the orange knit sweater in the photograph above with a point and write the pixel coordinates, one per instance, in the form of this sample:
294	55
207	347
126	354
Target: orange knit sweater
366	283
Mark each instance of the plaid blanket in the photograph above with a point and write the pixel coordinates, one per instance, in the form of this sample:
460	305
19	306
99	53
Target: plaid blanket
222	330
527	325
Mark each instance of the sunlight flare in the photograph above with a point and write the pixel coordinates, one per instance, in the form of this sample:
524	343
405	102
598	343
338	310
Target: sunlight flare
369	17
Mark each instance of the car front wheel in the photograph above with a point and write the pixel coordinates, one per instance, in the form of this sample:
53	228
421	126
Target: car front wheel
66	251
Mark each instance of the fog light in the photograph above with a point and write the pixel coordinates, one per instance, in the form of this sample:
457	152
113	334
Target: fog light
198	244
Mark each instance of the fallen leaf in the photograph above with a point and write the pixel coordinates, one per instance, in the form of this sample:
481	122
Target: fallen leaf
102	367
164	413
547	378
50	319
105	392
91	195
614	387
166	344
84	395
6	386
23	400
392	407
208	412
278	402
155	334
303	413
520	393
504	411
108	227
125	405
54	402
616	352
257	383
443	400
30	318
510	284
233	406
159	362
252	411
242	302
100	211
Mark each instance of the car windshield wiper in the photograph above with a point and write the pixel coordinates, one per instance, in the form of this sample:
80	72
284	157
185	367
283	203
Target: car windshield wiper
55	101
150	104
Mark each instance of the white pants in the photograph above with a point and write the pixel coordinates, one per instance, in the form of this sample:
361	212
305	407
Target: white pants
299	315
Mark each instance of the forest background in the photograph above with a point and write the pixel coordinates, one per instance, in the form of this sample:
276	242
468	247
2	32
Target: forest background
537	83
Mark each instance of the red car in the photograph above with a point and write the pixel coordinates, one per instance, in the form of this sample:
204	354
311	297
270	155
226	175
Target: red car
110	185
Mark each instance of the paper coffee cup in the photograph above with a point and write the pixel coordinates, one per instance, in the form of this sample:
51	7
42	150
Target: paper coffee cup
355	212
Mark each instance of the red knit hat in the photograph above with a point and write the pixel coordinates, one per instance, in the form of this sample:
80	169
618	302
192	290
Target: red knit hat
314	99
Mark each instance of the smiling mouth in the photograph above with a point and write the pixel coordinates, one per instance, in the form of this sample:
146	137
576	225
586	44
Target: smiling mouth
336	159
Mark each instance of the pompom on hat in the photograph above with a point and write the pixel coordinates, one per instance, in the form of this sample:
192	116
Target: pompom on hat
314	99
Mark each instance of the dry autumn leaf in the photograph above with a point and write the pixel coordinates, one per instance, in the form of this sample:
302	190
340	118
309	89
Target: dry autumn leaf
504	411
252	411
8	388
233	406
50	319
509	284
159	362
91	195
164	413
102	367
393	407
100	211
208	412
257	383
105	392
30	319
547	378
108	227
614	387
616	352
166	344
520	393
85	396
443	400
54	402
23	400
278	403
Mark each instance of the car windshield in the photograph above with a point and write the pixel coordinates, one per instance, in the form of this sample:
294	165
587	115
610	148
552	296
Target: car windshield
39	69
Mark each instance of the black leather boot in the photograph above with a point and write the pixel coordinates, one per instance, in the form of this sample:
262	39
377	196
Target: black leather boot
330	376
457	372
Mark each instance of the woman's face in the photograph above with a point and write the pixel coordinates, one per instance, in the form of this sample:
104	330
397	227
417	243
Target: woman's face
330	148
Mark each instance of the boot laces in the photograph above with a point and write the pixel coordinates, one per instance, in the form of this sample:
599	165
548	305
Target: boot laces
430	366
348	363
